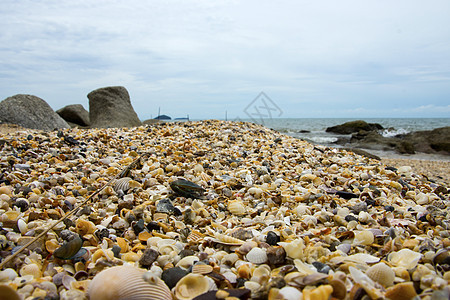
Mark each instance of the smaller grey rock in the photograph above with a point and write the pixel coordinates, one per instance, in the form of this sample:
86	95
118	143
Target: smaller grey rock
75	113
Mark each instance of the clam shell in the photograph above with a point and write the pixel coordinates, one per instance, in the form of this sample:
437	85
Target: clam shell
364	237
257	256
127	282
202	269
405	258
404	290
190	286
236	207
31	269
122	184
382	274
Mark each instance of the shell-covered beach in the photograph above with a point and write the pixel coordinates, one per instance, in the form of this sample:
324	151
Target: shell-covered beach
214	210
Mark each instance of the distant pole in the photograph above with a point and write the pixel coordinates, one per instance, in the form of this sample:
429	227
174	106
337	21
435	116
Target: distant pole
226	115
159	113
188	117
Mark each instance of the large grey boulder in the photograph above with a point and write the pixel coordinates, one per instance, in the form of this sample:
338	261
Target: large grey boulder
30	112
111	107
75	113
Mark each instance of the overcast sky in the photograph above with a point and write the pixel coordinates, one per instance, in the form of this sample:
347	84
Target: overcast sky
329	58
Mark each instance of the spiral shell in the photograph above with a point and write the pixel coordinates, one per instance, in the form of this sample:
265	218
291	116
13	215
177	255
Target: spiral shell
227	240
85	227
236	207
382	274
257	256
190	286
127	282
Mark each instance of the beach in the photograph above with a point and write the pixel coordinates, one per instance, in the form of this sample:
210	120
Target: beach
215	209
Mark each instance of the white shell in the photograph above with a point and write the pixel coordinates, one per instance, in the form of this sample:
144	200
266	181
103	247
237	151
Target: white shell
290	293
257	256
294	249
405	258
127	282
190	286
187	261
236	207
382	274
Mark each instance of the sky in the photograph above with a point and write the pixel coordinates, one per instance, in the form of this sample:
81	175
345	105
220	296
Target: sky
211	59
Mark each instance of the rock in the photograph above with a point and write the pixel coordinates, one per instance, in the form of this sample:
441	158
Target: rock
430	141
30	112
354	126
111	107
75	113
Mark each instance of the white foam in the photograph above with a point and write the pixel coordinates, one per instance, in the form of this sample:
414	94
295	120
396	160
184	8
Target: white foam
393	132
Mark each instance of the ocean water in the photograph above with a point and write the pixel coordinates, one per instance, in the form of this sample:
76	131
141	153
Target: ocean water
313	130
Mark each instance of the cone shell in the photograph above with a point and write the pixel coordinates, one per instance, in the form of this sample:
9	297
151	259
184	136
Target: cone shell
190	286
127	282
228	240
382	274
236	207
257	256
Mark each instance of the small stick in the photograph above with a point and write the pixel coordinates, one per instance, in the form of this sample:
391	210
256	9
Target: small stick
73	211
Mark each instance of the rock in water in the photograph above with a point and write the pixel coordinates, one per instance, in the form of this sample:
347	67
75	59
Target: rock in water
111	107
75	113
354	126
31	112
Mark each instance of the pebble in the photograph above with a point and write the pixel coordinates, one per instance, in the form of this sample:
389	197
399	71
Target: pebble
329	212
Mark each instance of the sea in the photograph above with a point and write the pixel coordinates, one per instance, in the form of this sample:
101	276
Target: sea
313	130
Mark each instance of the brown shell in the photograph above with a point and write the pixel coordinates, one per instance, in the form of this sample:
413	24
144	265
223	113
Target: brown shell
126	282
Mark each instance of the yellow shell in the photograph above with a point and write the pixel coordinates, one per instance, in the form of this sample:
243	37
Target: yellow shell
122	243
131	256
51	245
322	292
382	274
195	237
5	190
236	207
31	269
364	237
127	282
190	286
294	249
404	290
202	269
85	227
7	292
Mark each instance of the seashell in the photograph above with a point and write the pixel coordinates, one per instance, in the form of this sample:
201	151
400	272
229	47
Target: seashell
322	292
405	258
303	268
364	237
143	236
102	253
400	291
187	261
131	256
31	269
227	239
236	207
122	184
7	292
257	256
191	286
11	215
202	269
8	274
188	189
287	293
127	282
85	227
339	289
22	226
261	274
244	271
382	274
122	243
69	249
294	249
4	190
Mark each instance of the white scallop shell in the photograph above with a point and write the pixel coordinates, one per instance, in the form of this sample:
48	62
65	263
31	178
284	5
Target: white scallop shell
122	184
257	256
127	282
382	274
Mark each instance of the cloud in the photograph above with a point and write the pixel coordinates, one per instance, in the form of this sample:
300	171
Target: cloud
205	56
